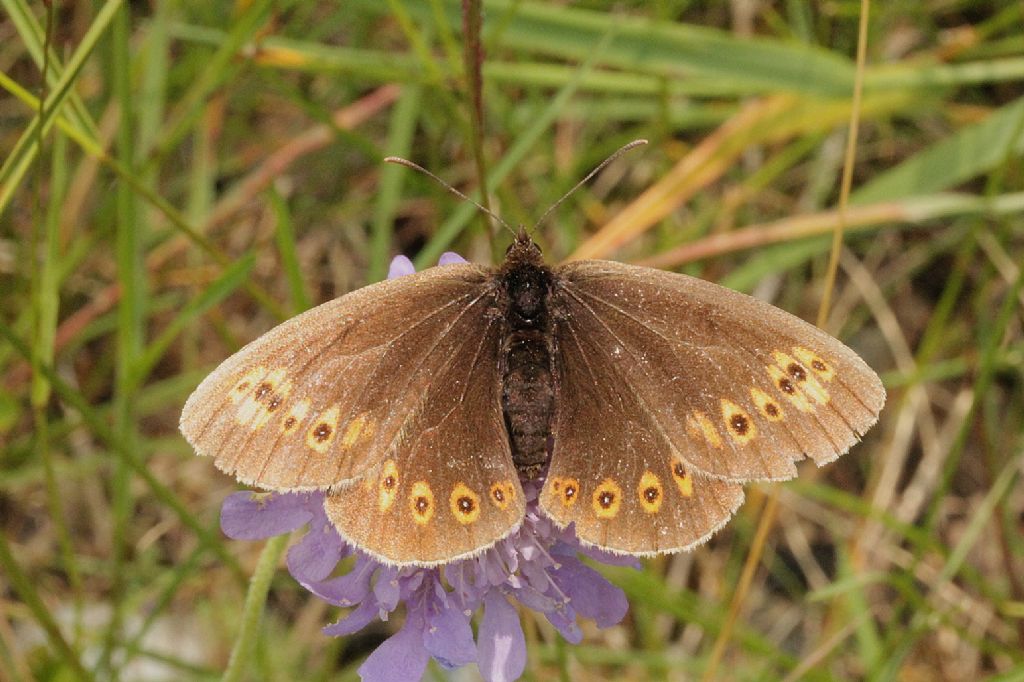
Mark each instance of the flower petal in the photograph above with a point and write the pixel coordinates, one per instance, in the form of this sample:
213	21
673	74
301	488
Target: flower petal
501	647
400	266
591	593
534	600
449	257
610	558
319	551
563	617
247	515
449	637
387	588
357	619
401	657
348	589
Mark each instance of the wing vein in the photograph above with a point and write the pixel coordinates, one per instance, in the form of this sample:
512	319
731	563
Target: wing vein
651	415
425	395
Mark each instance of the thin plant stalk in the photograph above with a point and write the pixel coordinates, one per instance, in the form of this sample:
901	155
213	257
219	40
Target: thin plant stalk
252	612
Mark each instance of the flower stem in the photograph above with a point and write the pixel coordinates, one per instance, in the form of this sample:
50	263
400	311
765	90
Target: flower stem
252	612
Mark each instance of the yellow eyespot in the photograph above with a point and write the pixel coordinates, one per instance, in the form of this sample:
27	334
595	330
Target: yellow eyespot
738	423
788	389
683	480
387	489
821	369
607	499
421	502
464	503
699	426
568	491
650	492
243	388
361	427
323	430
295	416
768	407
803	377
269	396
502	494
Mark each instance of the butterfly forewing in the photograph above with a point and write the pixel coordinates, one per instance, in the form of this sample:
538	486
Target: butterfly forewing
738	388
613	472
321	398
447	488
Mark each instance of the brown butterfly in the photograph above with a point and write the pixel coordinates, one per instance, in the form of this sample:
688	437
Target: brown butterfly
645	399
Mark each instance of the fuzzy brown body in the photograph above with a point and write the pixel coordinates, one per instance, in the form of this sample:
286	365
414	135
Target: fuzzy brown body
526	357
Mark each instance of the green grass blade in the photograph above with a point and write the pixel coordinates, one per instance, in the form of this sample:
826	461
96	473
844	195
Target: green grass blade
23	586
403	124
102	430
227	283
284	236
963	155
26	148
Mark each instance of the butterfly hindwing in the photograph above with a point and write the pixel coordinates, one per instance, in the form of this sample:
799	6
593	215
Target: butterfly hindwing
447	488
612	473
318	400
738	388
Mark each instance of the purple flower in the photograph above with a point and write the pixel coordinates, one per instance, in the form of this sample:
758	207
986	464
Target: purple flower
537	566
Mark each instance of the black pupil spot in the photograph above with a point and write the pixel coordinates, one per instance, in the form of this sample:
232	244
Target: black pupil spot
818	365
322	433
498	495
422	504
389	482
570	491
465	505
771	409
797	372
679	470
739	424
786	386
275	402
262	390
651	494
289	422
606	498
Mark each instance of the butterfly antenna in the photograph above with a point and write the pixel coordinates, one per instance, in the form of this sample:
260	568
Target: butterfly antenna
415	166
622	150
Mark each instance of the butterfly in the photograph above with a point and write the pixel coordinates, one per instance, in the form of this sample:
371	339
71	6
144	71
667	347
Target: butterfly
642	399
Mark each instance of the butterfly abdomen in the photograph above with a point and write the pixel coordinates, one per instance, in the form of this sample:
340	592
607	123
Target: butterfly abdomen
528	392
528	398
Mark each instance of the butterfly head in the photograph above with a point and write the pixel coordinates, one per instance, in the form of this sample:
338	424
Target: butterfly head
523	250
526	280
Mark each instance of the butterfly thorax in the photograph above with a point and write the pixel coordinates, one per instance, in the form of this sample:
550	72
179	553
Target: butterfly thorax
528	394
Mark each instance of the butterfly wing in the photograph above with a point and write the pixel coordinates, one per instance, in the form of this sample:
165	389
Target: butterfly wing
613	472
447	489
672	391
739	389
320	399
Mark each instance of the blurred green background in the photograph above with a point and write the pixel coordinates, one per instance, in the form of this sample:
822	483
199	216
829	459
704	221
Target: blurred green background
200	171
